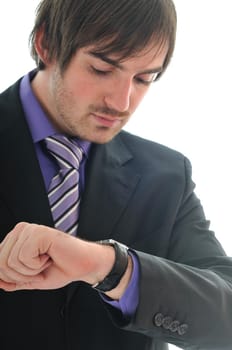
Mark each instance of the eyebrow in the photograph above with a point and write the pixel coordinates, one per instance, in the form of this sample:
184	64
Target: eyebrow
116	64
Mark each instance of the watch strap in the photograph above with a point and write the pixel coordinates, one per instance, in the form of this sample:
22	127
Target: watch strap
120	265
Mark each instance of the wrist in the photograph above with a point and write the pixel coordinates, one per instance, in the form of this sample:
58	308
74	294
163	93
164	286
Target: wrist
113	278
111	268
102	260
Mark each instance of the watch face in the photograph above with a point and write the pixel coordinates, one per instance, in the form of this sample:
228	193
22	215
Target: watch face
112	242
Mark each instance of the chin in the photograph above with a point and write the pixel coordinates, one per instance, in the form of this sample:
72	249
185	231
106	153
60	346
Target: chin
100	136
100	140
105	139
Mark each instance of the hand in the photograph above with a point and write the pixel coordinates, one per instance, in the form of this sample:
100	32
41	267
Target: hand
38	257
12	274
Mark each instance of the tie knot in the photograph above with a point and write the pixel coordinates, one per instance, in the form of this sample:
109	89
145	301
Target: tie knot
67	153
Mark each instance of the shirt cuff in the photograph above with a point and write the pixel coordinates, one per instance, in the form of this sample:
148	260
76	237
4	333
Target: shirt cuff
129	301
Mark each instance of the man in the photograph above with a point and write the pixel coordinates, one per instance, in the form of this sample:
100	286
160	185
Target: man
164	278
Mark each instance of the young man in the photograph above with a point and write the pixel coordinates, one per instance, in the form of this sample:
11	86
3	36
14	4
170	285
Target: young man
71	180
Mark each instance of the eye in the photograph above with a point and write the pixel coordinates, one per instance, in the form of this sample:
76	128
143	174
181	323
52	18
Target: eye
146	79
143	82
99	71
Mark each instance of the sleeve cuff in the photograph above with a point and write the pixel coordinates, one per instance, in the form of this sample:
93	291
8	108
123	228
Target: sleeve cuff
129	301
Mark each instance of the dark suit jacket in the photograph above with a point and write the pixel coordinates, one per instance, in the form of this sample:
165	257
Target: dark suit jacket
139	193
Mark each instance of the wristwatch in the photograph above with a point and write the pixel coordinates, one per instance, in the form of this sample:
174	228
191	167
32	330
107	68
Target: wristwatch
120	265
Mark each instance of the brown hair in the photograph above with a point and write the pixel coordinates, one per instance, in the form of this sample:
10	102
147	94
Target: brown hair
121	27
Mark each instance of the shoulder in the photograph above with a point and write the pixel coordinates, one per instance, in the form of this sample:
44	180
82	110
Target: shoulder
11	92
10	105
149	153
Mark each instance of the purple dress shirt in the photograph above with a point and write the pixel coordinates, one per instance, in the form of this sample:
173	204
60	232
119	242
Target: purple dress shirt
41	127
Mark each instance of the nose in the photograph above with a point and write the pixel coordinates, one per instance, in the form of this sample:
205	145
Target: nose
118	97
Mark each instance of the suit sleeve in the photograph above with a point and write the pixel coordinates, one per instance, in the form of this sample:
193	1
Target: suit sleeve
186	297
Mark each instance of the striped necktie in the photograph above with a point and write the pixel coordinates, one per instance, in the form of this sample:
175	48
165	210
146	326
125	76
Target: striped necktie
63	192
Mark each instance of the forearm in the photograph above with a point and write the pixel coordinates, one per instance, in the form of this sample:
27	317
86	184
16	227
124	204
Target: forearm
184	304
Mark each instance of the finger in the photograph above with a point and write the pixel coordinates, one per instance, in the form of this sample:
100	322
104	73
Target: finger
6	273
24	251
32	246
31	255
7	286
4	277
24	271
27	265
11	276
20	227
11	269
14	286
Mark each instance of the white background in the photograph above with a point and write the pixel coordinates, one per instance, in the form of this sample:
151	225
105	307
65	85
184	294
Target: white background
188	110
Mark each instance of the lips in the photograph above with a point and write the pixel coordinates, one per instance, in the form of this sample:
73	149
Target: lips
106	121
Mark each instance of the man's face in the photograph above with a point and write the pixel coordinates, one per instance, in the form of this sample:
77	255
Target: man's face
96	95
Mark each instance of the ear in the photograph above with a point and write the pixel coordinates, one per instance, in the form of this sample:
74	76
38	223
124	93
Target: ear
40	48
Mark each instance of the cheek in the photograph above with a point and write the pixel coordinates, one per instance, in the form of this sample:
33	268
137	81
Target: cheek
77	86
84	91
84	87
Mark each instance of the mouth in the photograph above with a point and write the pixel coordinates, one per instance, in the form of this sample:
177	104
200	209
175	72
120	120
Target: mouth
107	121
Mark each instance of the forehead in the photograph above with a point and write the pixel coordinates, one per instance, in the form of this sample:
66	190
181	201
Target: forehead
153	56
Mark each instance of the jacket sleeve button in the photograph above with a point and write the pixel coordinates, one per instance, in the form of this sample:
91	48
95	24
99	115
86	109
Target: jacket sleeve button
182	329
158	319
174	326
167	321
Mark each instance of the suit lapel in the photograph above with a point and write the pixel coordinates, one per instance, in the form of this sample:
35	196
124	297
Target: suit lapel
21	179
110	184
